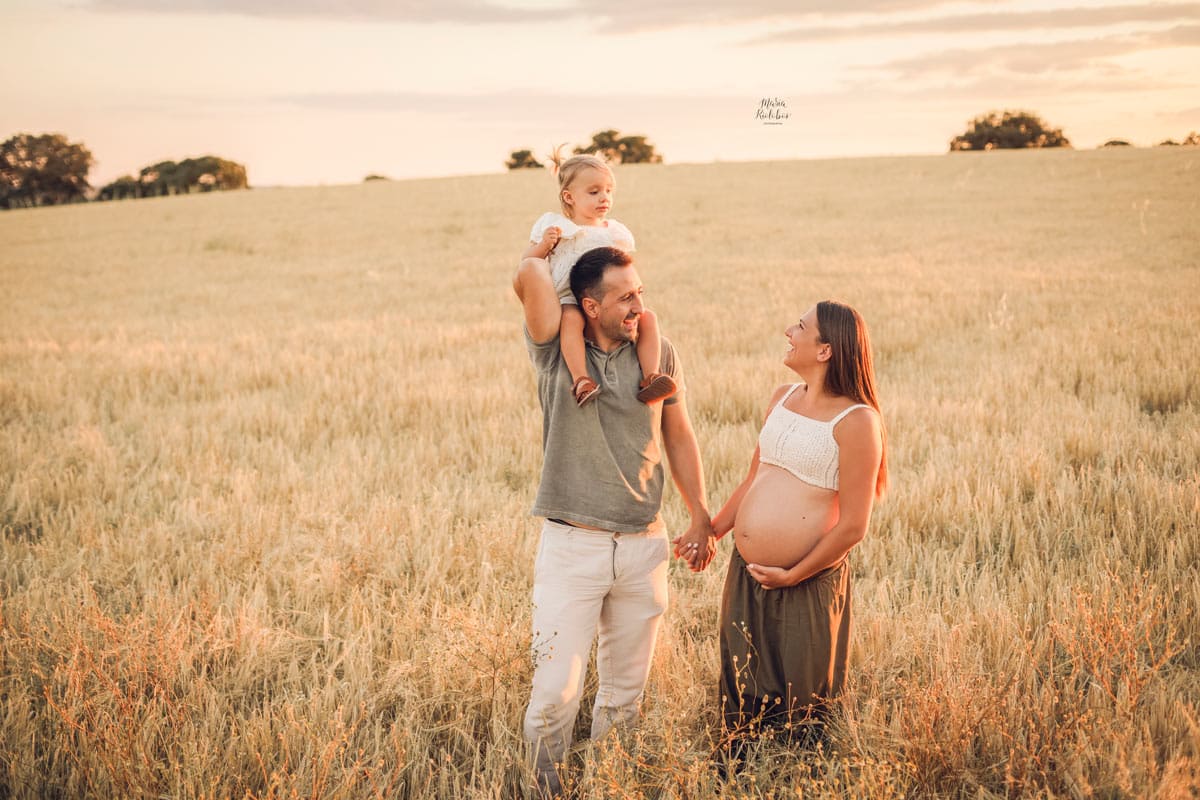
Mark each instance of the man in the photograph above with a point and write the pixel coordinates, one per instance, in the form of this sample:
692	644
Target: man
602	560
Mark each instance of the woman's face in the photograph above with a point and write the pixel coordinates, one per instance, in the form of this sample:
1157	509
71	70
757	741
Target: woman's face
804	342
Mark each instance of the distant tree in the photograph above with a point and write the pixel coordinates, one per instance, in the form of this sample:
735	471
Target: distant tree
204	174
1008	130
370	178
622	149
125	187
522	159
1116	143
605	144
1192	140
157	179
636	150
1167	143
43	170
209	174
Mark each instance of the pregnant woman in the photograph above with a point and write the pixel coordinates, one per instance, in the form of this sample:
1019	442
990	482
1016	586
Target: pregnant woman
819	466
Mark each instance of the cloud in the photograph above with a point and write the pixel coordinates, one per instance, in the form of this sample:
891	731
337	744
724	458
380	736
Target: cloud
533	106
611	16
995	21
1187	116
1038	59
638	15
1034	88
468	11
528	105
1182	36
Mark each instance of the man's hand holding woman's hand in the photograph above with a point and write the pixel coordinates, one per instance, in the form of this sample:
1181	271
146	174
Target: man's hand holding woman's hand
697	545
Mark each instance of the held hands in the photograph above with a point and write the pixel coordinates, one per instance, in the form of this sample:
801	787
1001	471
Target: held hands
697	545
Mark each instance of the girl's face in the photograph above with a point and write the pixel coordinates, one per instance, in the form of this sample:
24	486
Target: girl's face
589	196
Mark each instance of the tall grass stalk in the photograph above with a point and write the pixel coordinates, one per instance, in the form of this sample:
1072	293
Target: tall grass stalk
266	460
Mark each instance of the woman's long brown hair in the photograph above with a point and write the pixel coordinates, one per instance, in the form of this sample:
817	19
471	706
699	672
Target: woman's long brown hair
851	371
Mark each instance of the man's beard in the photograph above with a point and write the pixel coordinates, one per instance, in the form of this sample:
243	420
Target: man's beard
618	332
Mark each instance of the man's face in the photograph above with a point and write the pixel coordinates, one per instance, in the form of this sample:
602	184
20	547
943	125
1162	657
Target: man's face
621	306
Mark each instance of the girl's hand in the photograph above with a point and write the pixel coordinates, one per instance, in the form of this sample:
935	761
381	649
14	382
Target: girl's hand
769	577
551	236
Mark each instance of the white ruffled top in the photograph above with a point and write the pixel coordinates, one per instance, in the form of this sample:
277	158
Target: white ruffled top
802	445
574	242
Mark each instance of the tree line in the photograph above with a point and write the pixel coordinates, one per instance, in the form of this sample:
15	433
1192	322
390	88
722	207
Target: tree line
204	174
1008	130
47	169
609	145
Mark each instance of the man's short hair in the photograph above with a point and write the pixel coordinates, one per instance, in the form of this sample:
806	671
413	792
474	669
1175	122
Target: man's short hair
588	273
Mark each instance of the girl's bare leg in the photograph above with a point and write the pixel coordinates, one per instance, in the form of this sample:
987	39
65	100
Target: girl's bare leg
655	386
574	351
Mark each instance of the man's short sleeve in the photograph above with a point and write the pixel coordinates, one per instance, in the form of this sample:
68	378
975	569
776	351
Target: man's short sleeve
670	364
545	355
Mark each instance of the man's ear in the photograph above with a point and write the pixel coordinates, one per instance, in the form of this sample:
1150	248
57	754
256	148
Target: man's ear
590	308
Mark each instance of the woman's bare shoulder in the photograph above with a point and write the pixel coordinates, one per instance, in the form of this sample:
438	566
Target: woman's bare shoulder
776	396
860	426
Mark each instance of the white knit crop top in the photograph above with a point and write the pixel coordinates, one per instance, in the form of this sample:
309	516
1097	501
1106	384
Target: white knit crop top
802	445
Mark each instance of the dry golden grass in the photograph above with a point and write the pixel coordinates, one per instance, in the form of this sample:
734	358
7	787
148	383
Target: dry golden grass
266	459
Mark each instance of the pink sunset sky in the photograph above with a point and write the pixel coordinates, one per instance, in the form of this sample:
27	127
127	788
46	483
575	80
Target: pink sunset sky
328	91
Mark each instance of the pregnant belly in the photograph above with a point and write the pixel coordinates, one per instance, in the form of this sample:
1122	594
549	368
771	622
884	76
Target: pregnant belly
781	518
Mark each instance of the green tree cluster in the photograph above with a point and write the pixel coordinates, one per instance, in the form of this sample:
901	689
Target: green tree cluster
522	159
43	170
621	149
609	144
204	174
1008	130
1191	140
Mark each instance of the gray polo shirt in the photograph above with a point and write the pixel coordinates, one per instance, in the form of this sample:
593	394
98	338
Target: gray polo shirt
602	463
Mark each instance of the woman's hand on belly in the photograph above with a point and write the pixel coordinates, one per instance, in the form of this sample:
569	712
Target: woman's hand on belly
769	577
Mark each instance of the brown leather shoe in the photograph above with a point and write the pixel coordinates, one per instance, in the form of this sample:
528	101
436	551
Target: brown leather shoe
585	389
656	387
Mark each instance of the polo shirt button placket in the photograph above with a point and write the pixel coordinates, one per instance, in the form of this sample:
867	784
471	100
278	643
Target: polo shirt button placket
610	373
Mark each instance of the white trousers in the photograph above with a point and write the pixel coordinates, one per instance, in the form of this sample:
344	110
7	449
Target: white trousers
586	582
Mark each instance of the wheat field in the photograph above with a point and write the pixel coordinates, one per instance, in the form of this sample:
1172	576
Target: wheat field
266	459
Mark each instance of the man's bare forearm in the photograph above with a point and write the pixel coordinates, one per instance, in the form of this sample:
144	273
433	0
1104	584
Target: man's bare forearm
683	454
697	544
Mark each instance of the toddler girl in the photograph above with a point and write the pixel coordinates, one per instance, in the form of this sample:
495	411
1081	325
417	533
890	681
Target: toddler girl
585	192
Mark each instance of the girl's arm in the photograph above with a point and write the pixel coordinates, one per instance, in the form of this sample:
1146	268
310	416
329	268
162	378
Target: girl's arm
860	444
542	249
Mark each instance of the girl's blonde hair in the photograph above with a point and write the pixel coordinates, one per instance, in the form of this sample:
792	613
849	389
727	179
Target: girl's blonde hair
567	170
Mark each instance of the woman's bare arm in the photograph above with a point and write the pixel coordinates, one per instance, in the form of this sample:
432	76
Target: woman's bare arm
860	445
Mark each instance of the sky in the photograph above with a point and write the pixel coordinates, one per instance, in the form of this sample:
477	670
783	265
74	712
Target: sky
306	92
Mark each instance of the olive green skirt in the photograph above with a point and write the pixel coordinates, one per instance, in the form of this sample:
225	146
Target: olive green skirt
783	651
